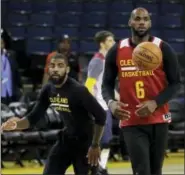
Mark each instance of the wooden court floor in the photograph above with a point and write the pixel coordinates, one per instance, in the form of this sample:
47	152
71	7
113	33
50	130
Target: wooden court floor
174	164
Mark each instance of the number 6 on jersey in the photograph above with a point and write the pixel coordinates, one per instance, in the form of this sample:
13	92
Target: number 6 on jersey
140	91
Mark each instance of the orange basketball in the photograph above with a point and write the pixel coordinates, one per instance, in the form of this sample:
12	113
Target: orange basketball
147	56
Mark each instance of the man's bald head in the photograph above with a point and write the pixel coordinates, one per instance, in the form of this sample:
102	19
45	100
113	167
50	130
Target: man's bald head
140	22
138	11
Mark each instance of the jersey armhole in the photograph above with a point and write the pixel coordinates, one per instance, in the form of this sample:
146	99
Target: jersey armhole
117	51
160	45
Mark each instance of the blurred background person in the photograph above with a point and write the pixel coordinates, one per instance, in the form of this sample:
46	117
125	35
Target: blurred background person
11	86
105	41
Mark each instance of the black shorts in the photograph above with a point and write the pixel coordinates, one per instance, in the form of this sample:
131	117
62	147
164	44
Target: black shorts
66	152
146	146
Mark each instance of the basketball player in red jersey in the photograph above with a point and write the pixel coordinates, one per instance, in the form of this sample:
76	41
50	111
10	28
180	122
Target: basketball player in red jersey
143	109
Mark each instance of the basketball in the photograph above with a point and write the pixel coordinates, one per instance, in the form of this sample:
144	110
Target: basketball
147	56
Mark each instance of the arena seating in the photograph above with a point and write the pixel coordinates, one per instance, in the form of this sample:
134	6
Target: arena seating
30	144
35	20
35	26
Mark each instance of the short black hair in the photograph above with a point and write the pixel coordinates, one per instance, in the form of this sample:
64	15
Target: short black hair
60	56
101	36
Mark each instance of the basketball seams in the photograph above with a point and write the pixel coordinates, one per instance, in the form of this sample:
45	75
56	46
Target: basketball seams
144	60
150	52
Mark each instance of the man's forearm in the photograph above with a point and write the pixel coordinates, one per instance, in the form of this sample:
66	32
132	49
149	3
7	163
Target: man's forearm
108	93
171	69
94	108
117	96
98	132
110	74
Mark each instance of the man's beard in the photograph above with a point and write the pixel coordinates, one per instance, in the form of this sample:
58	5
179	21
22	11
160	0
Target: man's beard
140	34
58	81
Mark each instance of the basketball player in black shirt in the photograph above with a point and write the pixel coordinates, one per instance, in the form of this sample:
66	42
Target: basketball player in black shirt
82	116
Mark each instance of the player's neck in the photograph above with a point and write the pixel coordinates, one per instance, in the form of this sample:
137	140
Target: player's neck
103	52
136	40
60	85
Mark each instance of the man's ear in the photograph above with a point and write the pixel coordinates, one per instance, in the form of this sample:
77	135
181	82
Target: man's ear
150	24
68	69
129	23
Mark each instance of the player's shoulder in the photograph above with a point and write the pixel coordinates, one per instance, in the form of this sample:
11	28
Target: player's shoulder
98	56
112	53
168	50
164	45
123	43
156	40
73	83
160	42
47	88
96	61
76	87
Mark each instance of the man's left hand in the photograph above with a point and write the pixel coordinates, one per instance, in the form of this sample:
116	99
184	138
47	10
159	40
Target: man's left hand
93	155
146	108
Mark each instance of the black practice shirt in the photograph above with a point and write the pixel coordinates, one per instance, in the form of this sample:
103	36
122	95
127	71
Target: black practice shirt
78	109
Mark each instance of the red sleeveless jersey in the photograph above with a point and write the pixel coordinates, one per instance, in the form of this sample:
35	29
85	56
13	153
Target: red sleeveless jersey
139	86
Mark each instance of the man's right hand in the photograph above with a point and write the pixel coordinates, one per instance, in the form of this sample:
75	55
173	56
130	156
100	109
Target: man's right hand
10	124
117	110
